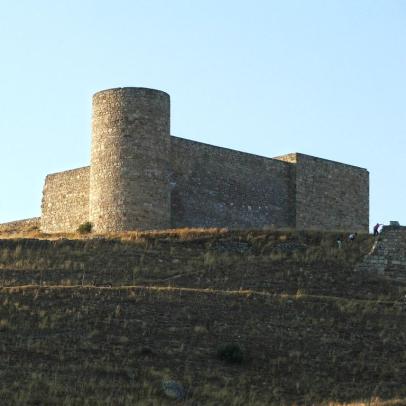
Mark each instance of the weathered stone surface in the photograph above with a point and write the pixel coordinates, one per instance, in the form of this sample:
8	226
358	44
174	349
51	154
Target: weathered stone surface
33	223
329	195
129	186
65	202
219	187
388	255
142	178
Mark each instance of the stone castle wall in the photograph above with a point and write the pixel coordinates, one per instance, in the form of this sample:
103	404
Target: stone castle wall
129	186
29	224
65	202
140	177
388	255
329	195
219	187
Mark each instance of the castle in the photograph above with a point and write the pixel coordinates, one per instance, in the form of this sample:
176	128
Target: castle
141	177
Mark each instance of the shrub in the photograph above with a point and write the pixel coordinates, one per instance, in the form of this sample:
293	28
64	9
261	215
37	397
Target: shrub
85	228
231	353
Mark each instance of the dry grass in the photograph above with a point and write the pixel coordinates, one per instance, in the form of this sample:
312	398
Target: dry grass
273	262
372	402
103	319
18	229
65	345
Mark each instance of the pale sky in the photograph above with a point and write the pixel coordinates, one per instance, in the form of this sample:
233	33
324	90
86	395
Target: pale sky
325	78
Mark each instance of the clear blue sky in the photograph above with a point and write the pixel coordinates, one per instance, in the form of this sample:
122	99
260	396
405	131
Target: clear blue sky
325	78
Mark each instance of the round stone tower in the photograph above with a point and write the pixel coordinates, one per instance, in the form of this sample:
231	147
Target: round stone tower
129	184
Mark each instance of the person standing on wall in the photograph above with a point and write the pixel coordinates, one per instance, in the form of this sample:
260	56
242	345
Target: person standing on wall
376	229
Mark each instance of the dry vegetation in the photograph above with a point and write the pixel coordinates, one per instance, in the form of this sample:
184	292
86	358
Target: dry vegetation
103	320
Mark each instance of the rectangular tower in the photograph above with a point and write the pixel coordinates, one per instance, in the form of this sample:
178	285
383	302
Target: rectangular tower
329	195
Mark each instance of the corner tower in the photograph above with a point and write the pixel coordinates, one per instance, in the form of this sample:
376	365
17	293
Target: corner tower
129	173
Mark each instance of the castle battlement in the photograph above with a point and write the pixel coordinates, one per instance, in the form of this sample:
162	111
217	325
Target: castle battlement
141	177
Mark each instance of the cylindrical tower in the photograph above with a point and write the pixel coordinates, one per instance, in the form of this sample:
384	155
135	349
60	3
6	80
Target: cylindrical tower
129	184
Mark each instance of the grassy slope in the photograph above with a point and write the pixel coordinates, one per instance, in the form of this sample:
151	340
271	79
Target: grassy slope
313	331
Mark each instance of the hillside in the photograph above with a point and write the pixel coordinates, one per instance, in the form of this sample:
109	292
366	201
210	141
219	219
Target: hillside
107	319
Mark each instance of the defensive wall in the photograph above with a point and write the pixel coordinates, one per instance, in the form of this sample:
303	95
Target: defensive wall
388	255
329	195
66	200
141	177
16	226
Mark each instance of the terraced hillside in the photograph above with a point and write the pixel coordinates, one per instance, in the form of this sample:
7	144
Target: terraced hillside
110	319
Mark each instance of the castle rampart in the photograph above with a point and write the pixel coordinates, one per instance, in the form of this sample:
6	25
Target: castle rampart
140	177
218	187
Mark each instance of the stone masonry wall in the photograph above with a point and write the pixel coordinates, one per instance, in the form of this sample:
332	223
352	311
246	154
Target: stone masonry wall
330	195
31	223
129	186
142	178
219	187
388	255
65	202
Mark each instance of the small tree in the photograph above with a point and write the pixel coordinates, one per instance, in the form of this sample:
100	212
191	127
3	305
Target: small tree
85	228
